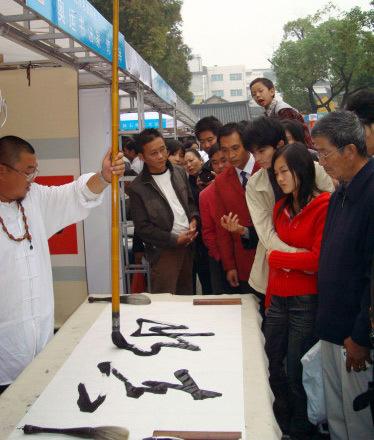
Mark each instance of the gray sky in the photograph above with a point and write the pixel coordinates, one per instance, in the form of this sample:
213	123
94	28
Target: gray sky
226	32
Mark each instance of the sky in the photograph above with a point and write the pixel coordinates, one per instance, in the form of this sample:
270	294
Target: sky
231	32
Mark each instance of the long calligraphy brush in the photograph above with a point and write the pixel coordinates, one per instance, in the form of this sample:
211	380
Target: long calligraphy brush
117	338
99	432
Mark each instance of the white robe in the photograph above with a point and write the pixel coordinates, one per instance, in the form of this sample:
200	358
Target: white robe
26	288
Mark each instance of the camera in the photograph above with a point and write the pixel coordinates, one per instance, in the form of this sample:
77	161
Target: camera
206	176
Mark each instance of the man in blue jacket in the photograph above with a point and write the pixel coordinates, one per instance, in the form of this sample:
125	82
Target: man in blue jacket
344	273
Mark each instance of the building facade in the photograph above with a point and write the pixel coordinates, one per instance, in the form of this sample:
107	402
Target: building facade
227	82
230	83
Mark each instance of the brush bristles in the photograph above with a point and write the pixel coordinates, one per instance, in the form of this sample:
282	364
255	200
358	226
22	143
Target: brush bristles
137	299
109	433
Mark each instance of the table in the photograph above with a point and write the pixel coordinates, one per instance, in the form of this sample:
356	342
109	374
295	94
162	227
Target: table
259	418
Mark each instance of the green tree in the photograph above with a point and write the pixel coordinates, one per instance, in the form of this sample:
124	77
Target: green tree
338	51
152	28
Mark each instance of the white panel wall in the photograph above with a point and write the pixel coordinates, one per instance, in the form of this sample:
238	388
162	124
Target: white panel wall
95	139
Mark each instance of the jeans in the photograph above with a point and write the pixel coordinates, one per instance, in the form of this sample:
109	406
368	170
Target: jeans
288	333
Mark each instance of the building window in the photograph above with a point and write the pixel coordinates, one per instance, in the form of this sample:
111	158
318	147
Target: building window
235	76
217	77
218	93
236	92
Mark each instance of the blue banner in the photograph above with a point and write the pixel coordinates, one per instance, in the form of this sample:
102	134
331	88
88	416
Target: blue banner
160	87
82	21
134	124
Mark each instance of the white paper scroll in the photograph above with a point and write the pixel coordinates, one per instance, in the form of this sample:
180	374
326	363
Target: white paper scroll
218	367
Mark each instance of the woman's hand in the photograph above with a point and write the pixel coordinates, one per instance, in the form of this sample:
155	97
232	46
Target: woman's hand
231	224
268	252
302	250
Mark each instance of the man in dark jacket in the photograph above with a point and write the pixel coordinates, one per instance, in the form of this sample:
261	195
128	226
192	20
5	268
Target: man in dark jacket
164	215
344	273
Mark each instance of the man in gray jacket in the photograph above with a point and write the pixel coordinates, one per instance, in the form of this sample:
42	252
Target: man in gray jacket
164	215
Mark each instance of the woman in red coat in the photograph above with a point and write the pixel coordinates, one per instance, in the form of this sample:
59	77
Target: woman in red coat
291	296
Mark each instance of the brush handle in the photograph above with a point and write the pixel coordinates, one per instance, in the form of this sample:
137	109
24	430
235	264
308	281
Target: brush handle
76	432
92	299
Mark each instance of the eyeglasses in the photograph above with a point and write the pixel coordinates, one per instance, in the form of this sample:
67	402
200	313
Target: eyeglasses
29	177
325	156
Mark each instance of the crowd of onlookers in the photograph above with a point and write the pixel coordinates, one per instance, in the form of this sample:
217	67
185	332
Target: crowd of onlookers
261	207
268	208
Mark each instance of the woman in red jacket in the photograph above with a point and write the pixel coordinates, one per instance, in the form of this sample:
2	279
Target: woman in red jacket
291	296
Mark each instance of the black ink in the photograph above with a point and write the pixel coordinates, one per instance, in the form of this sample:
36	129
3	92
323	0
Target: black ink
121	342
136	392
160	330
84	401
188	385
104	367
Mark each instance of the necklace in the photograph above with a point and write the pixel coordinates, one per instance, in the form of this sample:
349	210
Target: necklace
26	234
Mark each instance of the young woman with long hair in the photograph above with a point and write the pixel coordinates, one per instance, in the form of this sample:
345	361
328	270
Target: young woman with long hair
291	295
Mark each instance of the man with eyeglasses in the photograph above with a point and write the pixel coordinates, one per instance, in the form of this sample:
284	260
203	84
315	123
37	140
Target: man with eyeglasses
29	215
347	250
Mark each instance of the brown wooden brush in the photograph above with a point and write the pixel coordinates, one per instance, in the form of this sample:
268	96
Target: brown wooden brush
99	432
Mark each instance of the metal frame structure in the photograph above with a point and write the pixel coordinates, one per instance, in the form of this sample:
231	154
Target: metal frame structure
19	25
128	268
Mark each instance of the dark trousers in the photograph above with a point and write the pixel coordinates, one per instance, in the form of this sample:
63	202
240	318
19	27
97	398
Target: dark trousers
201	268
172	272
261	298
288	333
241	289
218	278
